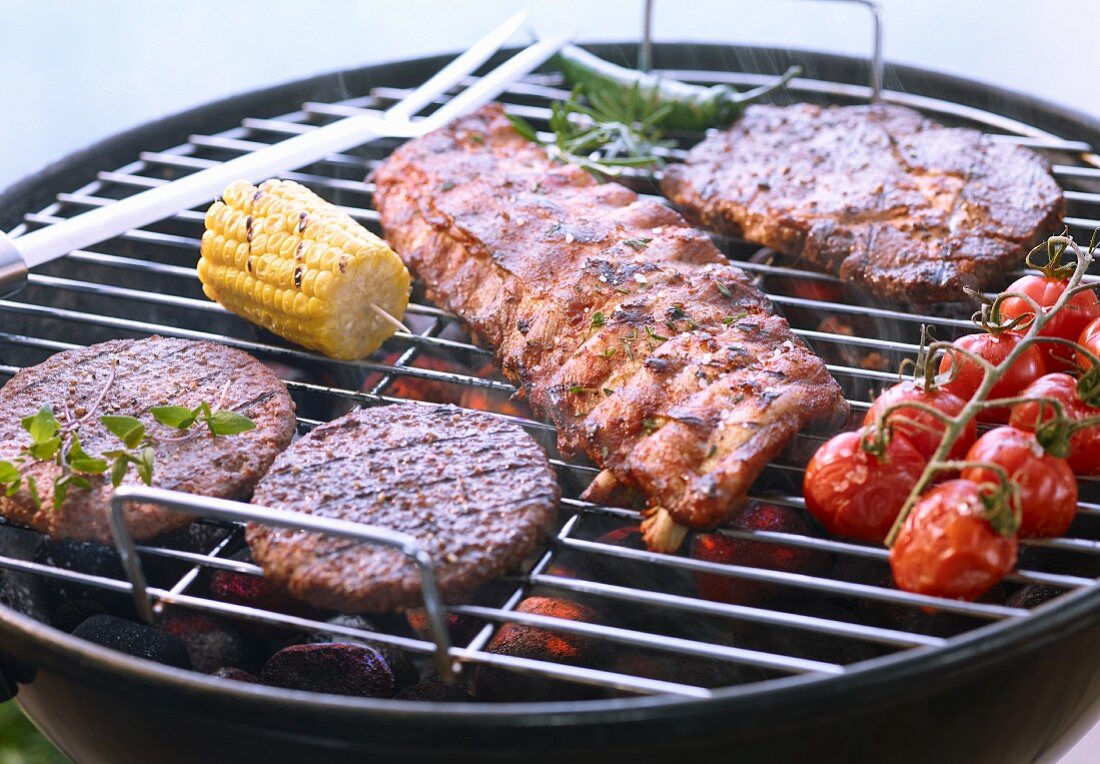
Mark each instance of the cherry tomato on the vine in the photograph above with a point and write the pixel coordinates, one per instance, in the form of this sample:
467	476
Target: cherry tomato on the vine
855	493
1084	455
994	349
924	430
947	547
1066	323
1048	488
1089	339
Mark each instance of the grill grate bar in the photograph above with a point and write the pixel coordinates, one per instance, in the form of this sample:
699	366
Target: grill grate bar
798	580
274	351
655	641
740	612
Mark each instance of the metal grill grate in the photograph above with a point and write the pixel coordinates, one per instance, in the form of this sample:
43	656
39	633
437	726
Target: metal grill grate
104	292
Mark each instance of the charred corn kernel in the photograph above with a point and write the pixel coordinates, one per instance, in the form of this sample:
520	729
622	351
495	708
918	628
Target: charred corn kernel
285	259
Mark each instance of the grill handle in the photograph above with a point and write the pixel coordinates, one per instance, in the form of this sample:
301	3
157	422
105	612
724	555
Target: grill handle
235	511
13	271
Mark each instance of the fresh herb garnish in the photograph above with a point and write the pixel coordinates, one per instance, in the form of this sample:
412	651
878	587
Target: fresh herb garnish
725	290
598	320
637	244
736	317
605	134
654	336
58	441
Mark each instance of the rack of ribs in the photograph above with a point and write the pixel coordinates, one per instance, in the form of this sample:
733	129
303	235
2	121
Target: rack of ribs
622	324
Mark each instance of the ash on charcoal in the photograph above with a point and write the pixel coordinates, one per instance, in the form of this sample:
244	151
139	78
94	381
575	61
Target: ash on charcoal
210	642
134	639
339	668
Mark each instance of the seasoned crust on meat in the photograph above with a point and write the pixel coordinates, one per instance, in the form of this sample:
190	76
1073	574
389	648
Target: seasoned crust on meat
650	352
891	202
476	492
152	372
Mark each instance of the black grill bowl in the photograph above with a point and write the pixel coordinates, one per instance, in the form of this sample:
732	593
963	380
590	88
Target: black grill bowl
1006	693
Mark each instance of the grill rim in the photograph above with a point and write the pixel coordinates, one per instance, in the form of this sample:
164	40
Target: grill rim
953	664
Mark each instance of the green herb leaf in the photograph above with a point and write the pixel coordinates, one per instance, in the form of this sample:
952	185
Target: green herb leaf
229	423
62	485
638	243
119	468
8	472
523	127
575	389
609	352
126	428
608	392
10	478
44	451
80	461
447	185
145	465
598	320
650	426
43	426
654	336
725	290
60	491
179	417
32	486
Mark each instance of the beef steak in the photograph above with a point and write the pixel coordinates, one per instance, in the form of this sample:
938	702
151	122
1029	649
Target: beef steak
889	201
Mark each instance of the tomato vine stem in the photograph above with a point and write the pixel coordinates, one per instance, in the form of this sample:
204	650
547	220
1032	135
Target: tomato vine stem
953	426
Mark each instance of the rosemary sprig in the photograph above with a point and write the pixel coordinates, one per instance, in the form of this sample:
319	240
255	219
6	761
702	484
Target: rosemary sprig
604	134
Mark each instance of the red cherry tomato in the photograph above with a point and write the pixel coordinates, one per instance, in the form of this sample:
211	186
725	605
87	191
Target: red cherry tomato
947	548
1084	457
1048	488
1067	323
1089	339
858	494
928	431
994	349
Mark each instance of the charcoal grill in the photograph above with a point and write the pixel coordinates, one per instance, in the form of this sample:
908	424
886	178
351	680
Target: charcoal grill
1006	684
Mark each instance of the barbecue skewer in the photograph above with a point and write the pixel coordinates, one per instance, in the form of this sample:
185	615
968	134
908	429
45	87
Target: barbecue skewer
40	246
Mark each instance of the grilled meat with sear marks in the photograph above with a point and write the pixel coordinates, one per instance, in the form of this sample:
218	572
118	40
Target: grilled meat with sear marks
651	353
475	491
153	372
891	202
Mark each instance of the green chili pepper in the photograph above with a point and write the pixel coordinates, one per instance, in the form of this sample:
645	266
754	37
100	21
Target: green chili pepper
692	107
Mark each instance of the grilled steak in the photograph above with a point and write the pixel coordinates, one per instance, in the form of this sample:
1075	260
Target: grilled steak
476	492
651	353
133	376
889	201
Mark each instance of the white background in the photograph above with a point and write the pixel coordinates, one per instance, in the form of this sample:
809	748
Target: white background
74	72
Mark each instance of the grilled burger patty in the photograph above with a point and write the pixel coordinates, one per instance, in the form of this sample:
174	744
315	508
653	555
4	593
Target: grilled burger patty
476	492
887	200
132	376
651	353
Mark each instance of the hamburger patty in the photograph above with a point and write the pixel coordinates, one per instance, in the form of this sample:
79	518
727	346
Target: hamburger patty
889	201
128	377
476	492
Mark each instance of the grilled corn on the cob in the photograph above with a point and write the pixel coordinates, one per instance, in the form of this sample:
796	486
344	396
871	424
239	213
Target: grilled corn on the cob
285	259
